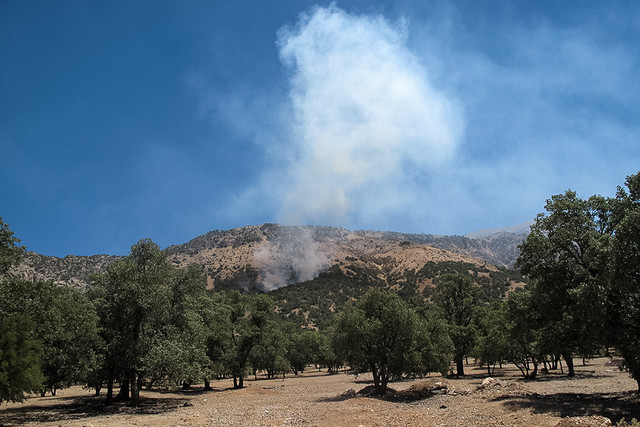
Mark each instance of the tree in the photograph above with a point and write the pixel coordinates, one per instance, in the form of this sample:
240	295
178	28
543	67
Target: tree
492	342
384	335
10	254
306	347
270	352
217	322
178	352
19	358
523	333
625	286
458	298
66	326
149	319
20	349
59	324
231	346
566	256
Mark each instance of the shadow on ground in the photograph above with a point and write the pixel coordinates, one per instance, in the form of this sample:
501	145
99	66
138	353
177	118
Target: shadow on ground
614	406
85	408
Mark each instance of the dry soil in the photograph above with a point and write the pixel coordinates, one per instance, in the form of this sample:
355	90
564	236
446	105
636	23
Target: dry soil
317	399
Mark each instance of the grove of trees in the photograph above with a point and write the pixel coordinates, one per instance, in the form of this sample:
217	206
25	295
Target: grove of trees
146	323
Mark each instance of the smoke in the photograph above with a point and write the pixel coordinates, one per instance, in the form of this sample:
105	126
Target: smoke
365	119
365	125
291	256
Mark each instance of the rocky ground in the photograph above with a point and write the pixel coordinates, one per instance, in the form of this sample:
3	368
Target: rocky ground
317	399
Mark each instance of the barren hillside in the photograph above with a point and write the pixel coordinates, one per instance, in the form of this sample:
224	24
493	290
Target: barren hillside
269	256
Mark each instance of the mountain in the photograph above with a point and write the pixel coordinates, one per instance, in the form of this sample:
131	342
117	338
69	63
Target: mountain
269	256
521	229
71	270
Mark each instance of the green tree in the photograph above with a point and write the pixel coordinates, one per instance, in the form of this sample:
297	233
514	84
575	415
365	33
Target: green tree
523	333
324	351
20	349
307	347
492	342
10	253
566	256
178	351
270	352
150	320
19	358
66	325
384	335
63	324
231	347
458	298
625	287
217	317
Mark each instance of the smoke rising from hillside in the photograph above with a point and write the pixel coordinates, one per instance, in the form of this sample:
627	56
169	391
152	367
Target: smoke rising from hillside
365	126
292	256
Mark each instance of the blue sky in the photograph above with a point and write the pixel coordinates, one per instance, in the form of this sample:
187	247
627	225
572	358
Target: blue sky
166	119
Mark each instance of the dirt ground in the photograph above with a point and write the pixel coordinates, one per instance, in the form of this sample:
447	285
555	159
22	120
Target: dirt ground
317	399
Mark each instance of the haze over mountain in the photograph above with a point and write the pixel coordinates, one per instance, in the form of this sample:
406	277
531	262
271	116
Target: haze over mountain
269	256
514	229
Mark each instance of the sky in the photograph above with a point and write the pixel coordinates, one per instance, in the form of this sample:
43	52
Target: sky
121	120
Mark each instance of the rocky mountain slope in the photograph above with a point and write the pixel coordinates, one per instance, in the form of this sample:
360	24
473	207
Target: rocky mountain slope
71	270
269	256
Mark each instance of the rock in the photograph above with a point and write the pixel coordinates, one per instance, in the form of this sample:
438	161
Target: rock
591	421
425	389
488	383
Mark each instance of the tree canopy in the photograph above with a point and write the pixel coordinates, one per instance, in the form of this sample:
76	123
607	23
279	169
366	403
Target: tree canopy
384	335
10	253
149	319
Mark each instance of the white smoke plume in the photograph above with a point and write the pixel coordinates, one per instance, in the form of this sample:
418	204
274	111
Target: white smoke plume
365	124
292	255
366	119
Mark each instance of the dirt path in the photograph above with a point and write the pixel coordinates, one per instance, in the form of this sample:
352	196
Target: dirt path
318	399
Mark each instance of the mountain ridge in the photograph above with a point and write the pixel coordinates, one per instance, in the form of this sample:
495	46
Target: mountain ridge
267	256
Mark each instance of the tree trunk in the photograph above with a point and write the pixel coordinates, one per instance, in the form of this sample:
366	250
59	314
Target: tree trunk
135	390
460	367
123	394
534	373
235	382
376	380
385	380
569	360
207	385
109	398
241	381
